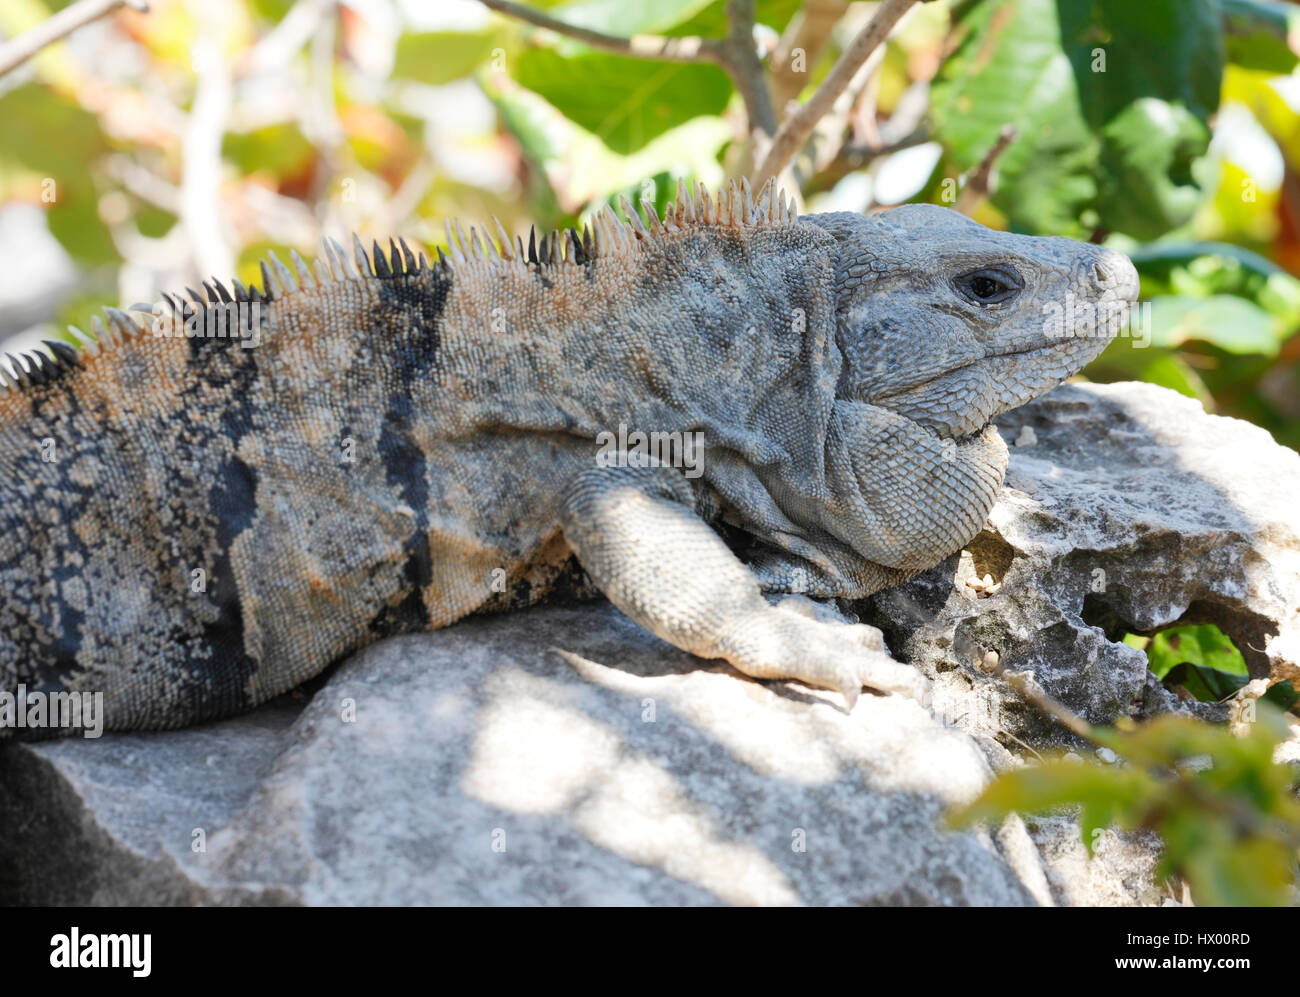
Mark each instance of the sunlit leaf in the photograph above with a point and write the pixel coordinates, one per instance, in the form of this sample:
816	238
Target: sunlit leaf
625	102
1203	645
628	17
1110	99
442	56
1231	323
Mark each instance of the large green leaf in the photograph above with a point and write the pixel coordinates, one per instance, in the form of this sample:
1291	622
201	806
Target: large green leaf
584	170
1009	68
1209	269
673	17
625	102
1204	645
1110	99
281	150
1168	49
628	102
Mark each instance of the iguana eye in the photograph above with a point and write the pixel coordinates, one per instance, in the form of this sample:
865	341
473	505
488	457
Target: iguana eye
990	286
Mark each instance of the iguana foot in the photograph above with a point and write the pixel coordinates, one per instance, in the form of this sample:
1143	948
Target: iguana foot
787	642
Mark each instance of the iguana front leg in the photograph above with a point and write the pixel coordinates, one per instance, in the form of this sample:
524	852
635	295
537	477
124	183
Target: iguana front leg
635	532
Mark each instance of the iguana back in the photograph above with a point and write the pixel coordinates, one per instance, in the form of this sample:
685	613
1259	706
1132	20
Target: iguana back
194	524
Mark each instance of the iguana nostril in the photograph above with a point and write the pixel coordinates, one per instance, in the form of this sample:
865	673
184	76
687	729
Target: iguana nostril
1115	275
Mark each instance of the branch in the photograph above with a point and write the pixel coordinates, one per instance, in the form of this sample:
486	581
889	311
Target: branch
18	50
903	129
640	46
977	186
746	70
830	133
809	30
799	125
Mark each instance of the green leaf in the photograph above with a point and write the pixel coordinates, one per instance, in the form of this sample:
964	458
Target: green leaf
60	143
1168	49
1009	68
1203	645
1206	684
1252	872
625	102
437	57
1202	269
583	170
1161	258
1110	99
1255	33
1147	149
1233	324
1230	828
628	17
1053	784
711	22
1283	695
282	150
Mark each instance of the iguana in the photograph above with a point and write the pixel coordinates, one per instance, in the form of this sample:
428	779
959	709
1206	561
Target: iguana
194	524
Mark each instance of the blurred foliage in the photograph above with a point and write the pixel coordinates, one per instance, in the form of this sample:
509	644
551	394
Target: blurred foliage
1169	129
1227	814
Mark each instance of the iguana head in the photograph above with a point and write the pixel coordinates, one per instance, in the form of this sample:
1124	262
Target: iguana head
950	323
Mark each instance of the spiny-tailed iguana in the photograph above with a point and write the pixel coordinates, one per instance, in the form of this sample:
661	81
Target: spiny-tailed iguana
193	525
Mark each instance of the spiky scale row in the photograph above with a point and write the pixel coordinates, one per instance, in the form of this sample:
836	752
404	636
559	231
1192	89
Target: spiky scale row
606	235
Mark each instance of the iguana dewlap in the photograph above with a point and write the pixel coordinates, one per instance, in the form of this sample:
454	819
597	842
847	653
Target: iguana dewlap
193	525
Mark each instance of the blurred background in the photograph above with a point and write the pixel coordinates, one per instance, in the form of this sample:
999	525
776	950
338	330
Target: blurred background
148	151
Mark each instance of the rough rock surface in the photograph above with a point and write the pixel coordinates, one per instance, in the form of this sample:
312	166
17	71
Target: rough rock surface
564	756
1125	509
484	767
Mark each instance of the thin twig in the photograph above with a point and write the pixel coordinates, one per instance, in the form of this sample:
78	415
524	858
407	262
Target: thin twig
977	185
798	126
274	50
690	49
1059	711
18	50
320	114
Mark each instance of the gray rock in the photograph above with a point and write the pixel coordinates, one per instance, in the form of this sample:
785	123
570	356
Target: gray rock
564	756
1125	509
558	756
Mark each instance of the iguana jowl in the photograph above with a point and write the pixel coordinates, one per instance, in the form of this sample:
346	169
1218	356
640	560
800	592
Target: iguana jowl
414	443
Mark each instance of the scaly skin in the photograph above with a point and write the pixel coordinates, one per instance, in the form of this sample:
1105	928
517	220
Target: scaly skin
192	527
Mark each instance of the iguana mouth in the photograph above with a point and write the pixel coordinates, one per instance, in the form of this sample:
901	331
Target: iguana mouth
1040	347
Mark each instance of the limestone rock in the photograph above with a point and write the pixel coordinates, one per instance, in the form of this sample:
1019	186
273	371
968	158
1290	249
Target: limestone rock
555	756
1131	511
